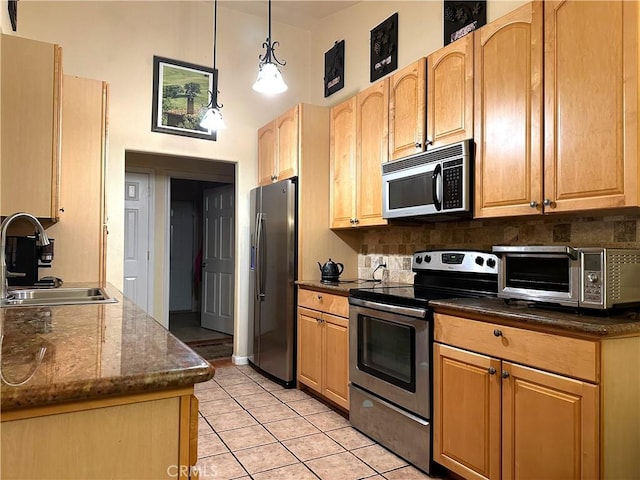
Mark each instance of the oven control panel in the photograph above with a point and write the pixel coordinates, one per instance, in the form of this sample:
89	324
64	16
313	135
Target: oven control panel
455	260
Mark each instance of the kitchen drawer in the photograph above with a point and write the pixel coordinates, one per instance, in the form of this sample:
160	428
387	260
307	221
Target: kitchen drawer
326	302
567	356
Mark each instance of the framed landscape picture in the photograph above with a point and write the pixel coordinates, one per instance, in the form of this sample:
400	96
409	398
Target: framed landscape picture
181	96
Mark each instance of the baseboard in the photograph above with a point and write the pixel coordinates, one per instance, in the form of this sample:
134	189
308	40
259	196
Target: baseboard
237	360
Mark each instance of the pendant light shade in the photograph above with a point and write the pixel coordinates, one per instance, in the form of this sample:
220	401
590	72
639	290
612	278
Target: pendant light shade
270	79
212	119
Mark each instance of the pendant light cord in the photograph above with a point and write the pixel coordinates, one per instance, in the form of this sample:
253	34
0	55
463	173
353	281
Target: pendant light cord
215	28
269	40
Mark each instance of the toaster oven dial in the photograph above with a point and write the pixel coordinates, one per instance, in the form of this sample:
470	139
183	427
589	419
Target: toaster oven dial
592	277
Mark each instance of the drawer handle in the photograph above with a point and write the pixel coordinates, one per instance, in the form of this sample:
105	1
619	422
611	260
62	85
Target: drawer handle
319	297
492	371
497	333
505	374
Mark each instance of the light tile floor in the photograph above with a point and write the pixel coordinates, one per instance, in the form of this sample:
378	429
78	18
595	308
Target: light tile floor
252	428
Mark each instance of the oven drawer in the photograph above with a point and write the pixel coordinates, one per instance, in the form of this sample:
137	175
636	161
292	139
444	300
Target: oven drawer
567	356
326	302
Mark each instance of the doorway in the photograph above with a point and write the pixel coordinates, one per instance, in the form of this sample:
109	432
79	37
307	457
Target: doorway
201	225
174	282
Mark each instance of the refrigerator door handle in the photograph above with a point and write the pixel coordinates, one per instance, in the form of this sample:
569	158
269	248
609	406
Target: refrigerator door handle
259	261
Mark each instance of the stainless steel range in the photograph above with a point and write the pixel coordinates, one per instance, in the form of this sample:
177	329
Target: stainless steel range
391	343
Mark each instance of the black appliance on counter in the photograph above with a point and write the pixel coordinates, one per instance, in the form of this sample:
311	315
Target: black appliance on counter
391	348
24	256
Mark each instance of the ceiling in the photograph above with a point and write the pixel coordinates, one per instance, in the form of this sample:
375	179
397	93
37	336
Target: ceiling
299	13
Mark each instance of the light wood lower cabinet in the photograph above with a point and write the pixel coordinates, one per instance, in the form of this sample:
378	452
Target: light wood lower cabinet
498	419
146	436
323	345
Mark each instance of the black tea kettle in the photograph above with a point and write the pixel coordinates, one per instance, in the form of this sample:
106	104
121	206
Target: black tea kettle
330	271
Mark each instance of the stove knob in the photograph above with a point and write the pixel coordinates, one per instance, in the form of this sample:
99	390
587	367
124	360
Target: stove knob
418	259
427	258
480	261
491	263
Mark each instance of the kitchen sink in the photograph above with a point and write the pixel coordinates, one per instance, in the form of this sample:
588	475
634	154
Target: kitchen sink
56	296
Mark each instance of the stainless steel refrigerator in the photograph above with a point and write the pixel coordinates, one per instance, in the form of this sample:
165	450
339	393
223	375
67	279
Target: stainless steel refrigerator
272	280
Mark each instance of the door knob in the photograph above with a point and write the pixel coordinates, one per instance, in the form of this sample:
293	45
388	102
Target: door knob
497	333
533	204
505	374
492	371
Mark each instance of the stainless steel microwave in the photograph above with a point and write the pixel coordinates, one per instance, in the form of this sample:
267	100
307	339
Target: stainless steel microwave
435	182
594	278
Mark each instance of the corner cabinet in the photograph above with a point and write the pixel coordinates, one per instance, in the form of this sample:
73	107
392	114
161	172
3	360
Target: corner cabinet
31	92
586	155
450	93
407	111
512	403
278	148
359	140
323	344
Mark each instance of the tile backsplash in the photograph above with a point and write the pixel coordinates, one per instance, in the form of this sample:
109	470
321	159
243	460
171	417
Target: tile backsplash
395	244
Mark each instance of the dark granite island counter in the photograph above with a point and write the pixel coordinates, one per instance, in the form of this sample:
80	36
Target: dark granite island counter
111	398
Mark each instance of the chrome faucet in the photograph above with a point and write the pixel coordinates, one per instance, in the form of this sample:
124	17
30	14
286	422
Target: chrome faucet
4	273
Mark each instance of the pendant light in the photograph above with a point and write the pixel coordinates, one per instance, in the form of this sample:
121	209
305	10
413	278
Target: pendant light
269	77
212	119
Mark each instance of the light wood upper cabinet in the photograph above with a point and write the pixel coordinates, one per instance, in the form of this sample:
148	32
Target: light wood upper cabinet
359	139
508	113
278	148
372	134
450	93
267	153
342	163
407	97
287	137
31	112
586	157
591	105
82	184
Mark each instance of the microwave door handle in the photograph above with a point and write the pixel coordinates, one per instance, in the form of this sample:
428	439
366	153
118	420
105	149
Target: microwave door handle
437	196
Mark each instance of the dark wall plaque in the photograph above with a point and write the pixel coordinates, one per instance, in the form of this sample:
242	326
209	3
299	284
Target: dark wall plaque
384	48
461	18
334	69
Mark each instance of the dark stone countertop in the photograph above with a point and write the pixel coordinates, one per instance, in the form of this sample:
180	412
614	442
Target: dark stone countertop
521	314
92	352
340	288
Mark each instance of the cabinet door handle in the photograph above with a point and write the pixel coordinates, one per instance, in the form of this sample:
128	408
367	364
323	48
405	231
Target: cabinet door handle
548	203
497	333
533	204
319	297
418	145
492	371
505	374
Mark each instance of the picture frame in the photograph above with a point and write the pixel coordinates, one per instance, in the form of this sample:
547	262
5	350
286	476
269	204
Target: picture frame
334	68
181	96
462	18
384	48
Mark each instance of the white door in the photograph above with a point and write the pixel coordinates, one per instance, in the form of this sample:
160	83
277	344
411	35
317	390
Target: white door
218	259
181	256
136	238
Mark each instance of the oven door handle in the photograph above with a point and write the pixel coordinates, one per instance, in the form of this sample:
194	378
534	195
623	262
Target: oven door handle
408	311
